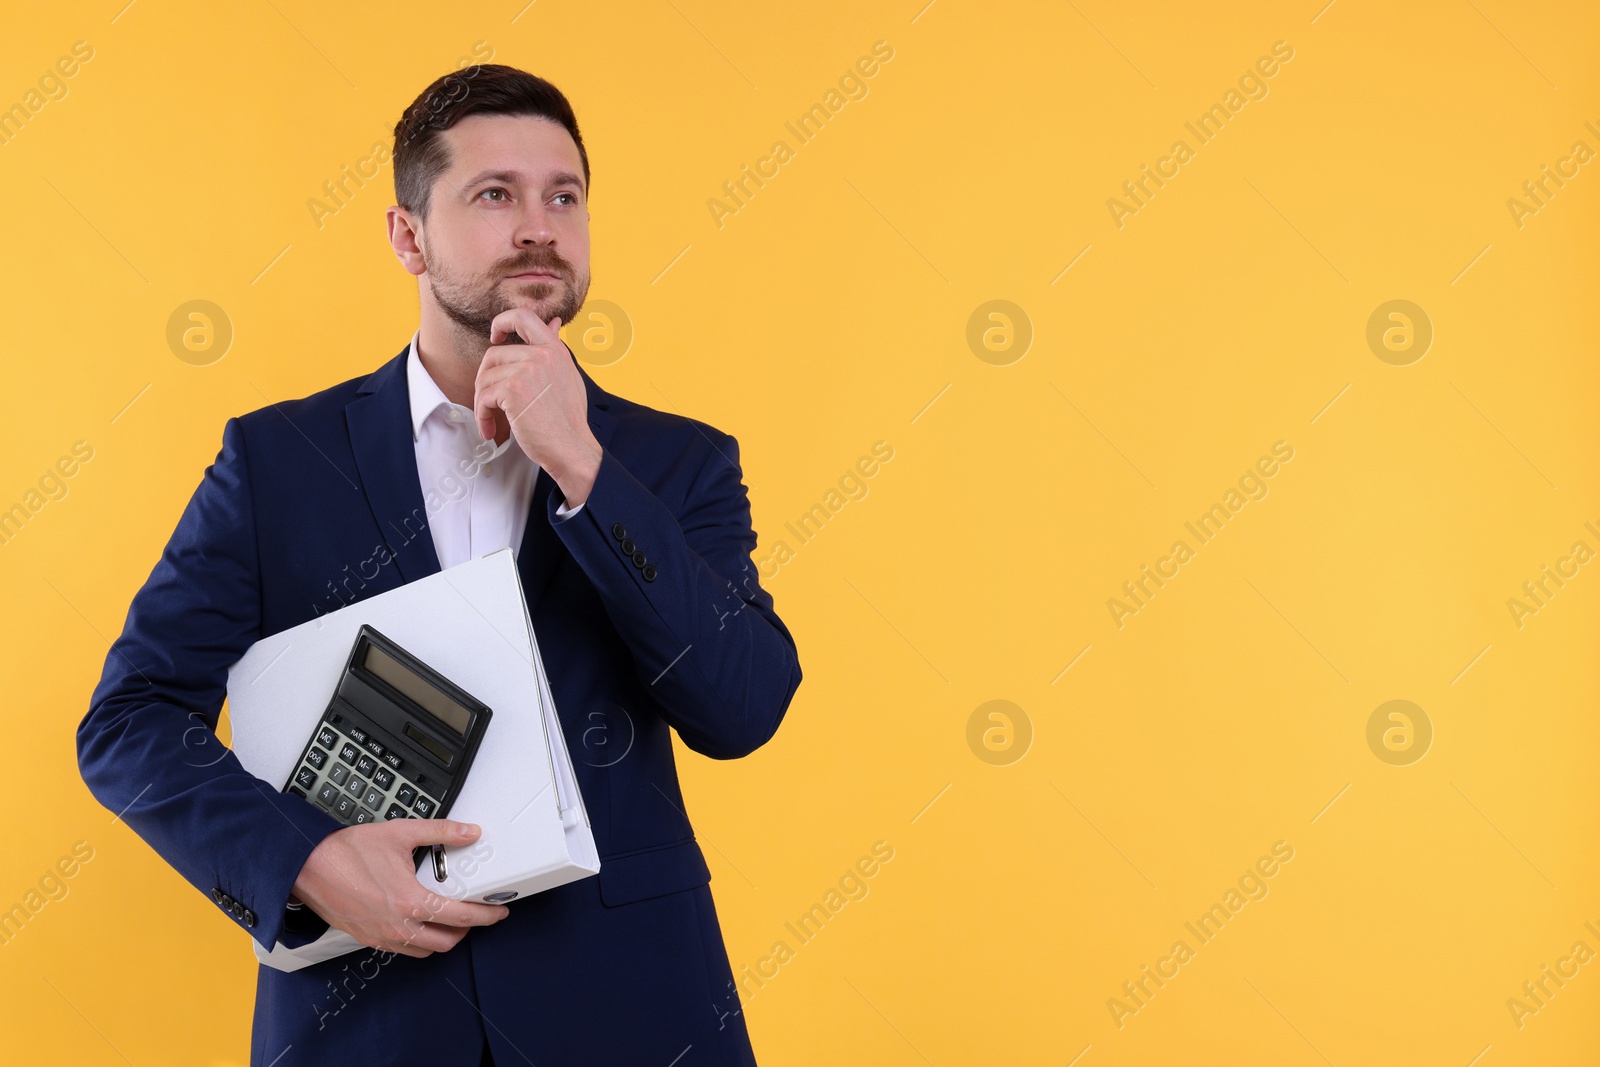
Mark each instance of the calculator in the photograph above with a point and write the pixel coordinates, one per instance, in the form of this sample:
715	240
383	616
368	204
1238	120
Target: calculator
395	742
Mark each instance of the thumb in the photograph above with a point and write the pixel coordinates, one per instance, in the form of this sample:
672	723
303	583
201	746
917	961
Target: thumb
439	831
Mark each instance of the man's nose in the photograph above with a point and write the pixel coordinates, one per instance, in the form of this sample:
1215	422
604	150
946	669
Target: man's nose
534	228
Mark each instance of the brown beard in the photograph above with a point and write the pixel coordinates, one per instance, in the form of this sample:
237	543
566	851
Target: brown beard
474	305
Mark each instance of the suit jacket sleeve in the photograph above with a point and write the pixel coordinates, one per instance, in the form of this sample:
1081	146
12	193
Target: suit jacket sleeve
147	747
705	638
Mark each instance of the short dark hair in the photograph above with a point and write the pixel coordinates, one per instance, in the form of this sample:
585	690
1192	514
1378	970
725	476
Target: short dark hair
420	155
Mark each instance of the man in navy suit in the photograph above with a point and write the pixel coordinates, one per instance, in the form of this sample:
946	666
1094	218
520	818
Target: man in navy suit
633	539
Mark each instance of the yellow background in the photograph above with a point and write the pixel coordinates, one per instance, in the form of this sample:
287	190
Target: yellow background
1228	314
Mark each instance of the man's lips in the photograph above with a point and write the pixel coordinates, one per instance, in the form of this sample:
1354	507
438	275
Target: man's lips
537	274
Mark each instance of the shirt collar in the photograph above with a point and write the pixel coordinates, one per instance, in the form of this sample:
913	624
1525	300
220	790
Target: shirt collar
427	397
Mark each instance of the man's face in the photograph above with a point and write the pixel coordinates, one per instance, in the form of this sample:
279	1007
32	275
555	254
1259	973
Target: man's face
511	203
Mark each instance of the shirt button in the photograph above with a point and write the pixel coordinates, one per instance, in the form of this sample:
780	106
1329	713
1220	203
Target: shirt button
488	470
456	415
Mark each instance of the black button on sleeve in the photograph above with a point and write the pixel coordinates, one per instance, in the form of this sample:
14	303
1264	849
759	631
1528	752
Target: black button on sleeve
249	917
638	559
618	531
627	546
648	572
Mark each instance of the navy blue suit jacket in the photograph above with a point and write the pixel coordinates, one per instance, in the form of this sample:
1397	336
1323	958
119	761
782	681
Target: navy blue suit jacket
316	502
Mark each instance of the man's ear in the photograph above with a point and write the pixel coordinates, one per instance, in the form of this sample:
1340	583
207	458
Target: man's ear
405	237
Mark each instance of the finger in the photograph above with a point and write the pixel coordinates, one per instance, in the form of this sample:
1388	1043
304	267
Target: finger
386	939
499	357
484	404
514	393
506	323
403	949
519	321
433	938
415	832
465	913
526	325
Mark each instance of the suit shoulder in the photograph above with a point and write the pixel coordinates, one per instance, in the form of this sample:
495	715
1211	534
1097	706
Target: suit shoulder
646	426
319	411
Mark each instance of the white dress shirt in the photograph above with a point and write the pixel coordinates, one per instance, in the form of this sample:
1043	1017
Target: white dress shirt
477	500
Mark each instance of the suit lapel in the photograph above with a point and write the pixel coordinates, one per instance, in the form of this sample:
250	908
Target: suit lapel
379	422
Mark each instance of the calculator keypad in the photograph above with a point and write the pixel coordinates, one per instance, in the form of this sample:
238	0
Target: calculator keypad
364	780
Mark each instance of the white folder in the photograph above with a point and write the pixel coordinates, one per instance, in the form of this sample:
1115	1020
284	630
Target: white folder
470	623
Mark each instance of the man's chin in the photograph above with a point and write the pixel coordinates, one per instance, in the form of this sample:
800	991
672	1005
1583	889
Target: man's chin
543	305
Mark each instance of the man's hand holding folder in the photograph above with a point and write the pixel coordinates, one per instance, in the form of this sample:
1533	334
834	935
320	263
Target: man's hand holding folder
363	880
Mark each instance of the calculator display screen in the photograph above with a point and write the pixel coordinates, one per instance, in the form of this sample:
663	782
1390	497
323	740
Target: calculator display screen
428	743
386	667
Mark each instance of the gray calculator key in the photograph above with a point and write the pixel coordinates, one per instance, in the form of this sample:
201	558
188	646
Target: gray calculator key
363	816
423	807
355	786
344	807
373	799
306	777
406	795
327	738
383	779
328	793
348	752
366	765
395	812
339	773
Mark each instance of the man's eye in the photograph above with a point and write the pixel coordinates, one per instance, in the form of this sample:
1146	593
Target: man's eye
569	196
495	189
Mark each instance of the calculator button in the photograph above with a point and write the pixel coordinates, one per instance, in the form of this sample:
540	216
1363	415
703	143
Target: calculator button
406	795
316	757
366	765
395	812
339	773
374	747
355	786
348	753
363	816
328	793
345	807
327	738
383	779
394	761
306	778
423	807
297	792
373	798
356	734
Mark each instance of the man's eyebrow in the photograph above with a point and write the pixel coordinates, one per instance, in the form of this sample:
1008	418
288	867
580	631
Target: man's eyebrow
512	177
